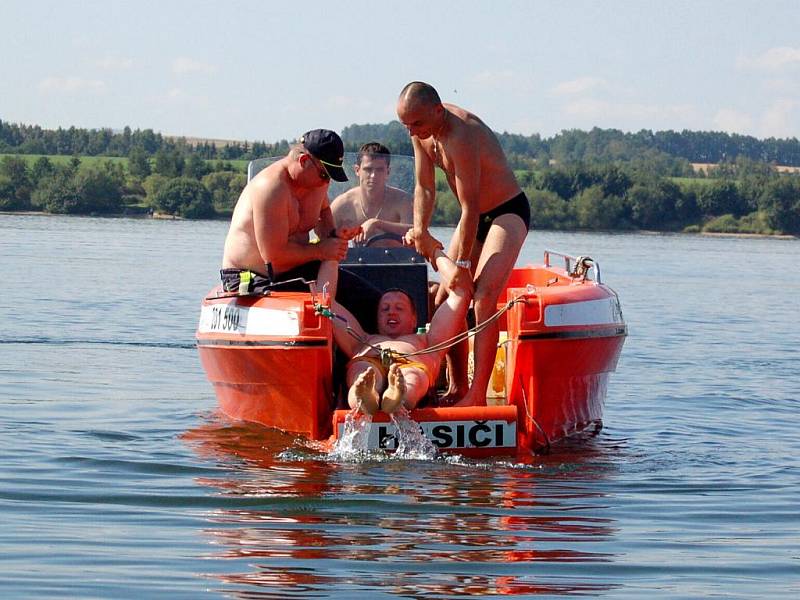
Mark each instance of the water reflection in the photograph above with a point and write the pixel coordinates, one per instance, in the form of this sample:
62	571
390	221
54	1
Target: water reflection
294	523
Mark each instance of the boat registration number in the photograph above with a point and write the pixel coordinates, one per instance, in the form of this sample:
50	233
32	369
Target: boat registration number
449	434
228	318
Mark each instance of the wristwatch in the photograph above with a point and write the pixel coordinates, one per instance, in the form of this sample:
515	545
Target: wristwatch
464	264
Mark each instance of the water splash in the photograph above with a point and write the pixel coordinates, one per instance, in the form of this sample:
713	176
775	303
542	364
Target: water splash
412	442
354	441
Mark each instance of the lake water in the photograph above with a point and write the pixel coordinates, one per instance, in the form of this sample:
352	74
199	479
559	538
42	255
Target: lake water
118	479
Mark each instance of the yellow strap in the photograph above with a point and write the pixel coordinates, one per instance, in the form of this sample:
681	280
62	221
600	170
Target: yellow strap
244	282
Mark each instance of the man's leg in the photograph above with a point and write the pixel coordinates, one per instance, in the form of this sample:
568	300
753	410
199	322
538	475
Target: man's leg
406	388
457	357
363	382
497	258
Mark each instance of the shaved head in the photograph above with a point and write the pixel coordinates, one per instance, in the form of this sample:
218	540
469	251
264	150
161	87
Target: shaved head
418	92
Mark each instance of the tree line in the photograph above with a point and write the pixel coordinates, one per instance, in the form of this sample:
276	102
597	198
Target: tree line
32	139
565	147
595	180
168	184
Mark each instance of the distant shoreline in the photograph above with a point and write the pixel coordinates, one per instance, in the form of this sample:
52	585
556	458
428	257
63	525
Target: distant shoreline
166	217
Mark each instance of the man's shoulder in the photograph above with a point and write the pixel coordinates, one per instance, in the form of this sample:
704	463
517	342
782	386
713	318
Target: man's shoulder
348	194
269	184
347	198
397	194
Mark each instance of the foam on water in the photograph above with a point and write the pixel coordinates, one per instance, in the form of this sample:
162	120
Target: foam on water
353	445
412	441
354	441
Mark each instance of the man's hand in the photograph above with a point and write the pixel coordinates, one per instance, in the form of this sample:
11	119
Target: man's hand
424	243
333	248
348	233
369	228
458	279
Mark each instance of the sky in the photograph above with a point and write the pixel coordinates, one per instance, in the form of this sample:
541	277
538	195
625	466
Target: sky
266	70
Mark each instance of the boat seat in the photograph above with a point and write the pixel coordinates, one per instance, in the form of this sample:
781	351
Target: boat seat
385	268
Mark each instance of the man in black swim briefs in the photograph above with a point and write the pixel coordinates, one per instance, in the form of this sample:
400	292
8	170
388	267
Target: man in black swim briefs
518	205
494	221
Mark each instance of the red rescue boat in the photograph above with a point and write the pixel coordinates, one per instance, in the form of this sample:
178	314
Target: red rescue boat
271	358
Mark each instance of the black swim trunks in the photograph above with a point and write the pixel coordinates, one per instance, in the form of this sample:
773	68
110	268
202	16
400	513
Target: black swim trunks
249	282
518	205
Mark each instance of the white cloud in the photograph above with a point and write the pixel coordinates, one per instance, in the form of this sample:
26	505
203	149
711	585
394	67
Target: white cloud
183	65
113	63
782	86
732	121
71	85
493	78
577	86
778	119
772	60
180	98
602	111
341	102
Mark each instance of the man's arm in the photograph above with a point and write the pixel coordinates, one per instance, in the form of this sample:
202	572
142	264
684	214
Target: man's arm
403	206
326	223
468	180
276	246
424	195
466	160
340	210
345	340
449	318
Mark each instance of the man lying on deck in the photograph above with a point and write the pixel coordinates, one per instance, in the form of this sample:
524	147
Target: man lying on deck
371	385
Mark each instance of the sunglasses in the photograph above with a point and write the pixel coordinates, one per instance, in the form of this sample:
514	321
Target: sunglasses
321	170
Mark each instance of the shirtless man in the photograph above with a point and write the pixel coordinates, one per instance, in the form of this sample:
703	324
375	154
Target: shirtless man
377	207
495	215
371	386
268	240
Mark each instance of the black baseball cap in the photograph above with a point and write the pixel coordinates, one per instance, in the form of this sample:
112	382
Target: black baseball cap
327	147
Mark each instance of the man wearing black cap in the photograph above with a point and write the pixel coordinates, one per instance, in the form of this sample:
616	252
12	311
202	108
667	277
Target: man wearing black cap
268	240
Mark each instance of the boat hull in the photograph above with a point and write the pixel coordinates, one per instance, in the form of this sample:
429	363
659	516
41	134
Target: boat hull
277	372
270	360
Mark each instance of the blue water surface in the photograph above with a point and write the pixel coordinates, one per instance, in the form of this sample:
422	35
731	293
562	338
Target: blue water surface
119	479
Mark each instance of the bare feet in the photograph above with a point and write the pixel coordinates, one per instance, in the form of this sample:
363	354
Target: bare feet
396	391
450	398
362	394
471	399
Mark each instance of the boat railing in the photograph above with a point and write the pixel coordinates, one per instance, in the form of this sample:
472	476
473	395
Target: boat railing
572	263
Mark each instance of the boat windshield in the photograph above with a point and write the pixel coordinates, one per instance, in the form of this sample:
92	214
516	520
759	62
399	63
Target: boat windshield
401	172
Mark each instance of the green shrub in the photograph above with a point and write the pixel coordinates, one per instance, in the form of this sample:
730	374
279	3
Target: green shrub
185	197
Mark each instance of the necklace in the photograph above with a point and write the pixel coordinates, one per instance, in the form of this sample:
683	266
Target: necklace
437	159
437	153
364	212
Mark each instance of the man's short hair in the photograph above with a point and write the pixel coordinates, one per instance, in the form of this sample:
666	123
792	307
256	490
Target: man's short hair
419	91
373	149
405	293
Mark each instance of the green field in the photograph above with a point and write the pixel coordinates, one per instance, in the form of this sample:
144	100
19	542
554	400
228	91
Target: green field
686	181
61	159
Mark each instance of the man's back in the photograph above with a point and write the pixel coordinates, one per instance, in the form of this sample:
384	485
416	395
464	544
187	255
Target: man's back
241	248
